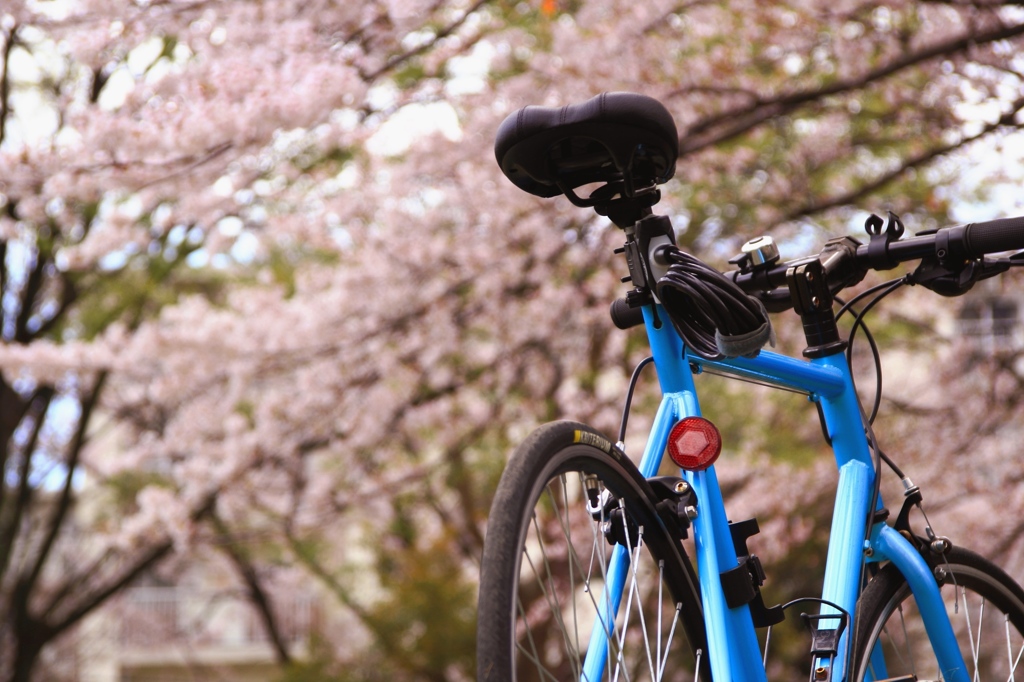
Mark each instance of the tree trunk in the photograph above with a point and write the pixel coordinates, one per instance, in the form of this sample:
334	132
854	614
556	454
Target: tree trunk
32	636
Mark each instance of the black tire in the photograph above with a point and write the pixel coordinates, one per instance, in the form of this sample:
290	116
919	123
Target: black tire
985	606
535	624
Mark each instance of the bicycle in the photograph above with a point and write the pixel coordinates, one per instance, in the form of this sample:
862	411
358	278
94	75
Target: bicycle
584	573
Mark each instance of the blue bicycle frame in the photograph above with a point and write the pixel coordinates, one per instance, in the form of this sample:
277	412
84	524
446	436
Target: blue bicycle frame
734	653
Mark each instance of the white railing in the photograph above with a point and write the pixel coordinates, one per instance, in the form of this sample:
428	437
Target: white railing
992	334
158	616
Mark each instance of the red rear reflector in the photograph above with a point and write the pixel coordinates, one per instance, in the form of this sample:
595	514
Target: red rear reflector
694	444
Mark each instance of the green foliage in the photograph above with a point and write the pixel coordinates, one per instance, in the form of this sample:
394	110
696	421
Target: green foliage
308	158
410	75
797	575
284	263
130	295
247	409
320	665
532	18
126	485
426	623
167	49
783	425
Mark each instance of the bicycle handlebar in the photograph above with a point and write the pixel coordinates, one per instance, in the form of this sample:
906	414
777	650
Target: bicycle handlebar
951	248
1005	234
963	241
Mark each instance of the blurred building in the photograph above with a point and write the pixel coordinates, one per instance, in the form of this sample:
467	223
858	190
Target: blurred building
184	634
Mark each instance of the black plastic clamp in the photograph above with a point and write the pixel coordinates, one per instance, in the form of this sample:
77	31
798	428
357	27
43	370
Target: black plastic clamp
742	584
878	247
812	300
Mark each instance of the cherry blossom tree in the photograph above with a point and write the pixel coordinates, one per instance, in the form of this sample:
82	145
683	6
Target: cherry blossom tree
266	290
138	141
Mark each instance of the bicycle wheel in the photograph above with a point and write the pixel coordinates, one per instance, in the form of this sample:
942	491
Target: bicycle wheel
985	607
565	497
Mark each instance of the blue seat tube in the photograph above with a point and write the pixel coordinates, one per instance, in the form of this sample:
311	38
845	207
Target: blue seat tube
734	653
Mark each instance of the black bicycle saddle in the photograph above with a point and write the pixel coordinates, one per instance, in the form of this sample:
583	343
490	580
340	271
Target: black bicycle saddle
614	137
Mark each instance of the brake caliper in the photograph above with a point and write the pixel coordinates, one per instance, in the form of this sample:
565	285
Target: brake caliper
675	502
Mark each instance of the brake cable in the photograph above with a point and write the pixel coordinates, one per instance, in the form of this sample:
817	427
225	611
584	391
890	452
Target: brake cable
880	291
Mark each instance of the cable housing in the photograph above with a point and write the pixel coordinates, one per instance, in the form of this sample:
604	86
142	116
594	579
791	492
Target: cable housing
713	315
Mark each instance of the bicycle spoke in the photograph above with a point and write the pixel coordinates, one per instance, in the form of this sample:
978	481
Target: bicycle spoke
668	643
635	590
567	531
675	617
620	659
587	613
547	584
1014	662
550	594
602	612
906	643
531	653
985	608
573	559
615	636
605	609
970	630
608	630
977	646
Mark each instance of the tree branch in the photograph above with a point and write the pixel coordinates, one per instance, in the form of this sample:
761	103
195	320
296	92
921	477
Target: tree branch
3	282
191	164
10	40
143	563
12	411
253	587
76	582
12	514
917	161
63	504
381	637
68	295
679	8
307	559
731	123
33	287
398	59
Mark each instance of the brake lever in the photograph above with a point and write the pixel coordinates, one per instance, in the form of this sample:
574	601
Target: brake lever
933	275
991	268
949	282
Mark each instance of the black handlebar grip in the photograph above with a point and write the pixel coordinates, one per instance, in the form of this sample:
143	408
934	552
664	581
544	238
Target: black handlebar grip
993	236
624	316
